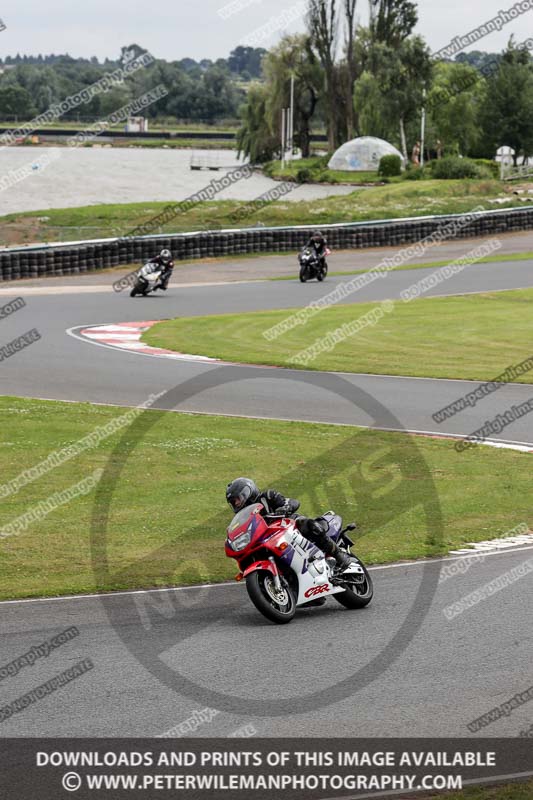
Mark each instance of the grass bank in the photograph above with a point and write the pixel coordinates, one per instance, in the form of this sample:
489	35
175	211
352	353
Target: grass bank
471	337
168	514
315	170
406	199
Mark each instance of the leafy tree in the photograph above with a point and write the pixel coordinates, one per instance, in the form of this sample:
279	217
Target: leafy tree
323	24
130	52
246	60
16	101
293	56
349	13
478	59
188	64
389	94
392	21
254	138
453	106
507	113
373	111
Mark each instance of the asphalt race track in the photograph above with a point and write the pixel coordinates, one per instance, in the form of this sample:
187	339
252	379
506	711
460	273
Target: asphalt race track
309	678
63	368
450	674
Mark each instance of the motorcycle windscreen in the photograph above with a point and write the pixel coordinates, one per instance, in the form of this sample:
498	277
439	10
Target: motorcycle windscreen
246	516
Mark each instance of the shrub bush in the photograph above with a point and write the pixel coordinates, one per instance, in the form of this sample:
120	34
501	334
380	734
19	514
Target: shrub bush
304	175
416	174
390	166
492	166
321	161
455	168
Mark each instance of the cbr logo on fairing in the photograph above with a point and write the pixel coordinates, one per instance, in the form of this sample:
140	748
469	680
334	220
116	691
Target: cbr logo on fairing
324	587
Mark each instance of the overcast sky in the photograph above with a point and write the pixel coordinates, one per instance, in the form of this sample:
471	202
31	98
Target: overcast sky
174	29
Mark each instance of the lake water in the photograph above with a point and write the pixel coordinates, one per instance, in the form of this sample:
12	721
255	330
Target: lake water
61	177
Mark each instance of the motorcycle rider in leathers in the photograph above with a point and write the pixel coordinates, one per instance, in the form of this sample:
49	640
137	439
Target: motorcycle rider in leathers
165	262
244	492
318	244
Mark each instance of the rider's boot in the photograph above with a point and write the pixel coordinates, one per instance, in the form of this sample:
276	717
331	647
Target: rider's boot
316	531
342	559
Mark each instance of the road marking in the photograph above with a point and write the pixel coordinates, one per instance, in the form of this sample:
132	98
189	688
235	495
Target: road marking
397	565
130	341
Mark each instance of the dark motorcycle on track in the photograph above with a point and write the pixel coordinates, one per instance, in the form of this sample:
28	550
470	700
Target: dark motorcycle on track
311	266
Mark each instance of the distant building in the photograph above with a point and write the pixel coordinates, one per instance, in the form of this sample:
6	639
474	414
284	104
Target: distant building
137	125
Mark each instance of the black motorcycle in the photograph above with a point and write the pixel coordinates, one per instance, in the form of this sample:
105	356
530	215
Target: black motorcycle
311	266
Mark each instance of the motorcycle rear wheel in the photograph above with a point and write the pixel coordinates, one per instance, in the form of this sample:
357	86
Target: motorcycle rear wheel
360	597
278	608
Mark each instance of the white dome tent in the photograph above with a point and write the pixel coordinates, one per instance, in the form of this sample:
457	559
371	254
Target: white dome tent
362	154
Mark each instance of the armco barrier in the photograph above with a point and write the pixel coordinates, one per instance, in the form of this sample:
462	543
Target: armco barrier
69	258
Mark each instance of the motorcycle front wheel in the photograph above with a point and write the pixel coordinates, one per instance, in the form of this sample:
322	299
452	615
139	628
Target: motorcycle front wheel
322	273
359	595
138	288
303	274
279	607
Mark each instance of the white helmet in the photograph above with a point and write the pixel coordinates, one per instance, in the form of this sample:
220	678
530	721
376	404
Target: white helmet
165	256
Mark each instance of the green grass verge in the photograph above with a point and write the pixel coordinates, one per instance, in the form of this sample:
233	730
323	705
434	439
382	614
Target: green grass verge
471	337
404	199
172	488
512	791
172	144
319	173
178	144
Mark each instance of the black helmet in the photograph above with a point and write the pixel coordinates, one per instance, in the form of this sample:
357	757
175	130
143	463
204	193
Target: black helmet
317	236
165	256
242	492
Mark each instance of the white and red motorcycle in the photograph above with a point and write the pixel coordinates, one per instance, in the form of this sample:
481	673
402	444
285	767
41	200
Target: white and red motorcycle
284	570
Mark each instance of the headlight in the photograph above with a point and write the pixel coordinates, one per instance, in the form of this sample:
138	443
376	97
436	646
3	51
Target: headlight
241	541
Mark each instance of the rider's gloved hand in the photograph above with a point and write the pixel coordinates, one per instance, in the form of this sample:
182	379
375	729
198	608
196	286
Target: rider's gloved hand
289	507
314	527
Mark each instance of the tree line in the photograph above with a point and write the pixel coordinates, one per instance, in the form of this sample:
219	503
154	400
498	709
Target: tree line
375	80
204	91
